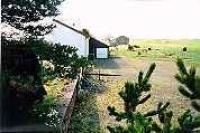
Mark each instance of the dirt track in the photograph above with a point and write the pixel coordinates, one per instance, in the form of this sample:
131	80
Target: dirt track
164	85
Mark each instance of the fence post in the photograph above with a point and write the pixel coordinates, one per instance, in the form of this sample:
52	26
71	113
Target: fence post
99	75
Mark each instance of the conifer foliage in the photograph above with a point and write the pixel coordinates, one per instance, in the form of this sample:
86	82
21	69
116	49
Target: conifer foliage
18	13
132	97
190	83
137	122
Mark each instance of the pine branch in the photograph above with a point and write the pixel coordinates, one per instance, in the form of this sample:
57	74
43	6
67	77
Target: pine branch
143	100
184	92
188	122
156	128
196	122
196	106
118	116
143	81
149	73
167	121
181	67
190	83
116	129
160	109
140	77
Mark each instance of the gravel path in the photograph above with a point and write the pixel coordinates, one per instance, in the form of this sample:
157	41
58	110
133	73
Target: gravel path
164	85
91	114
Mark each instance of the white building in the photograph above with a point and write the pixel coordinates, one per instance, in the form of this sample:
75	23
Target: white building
87	46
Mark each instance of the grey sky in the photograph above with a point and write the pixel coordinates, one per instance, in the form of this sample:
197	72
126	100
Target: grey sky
135	18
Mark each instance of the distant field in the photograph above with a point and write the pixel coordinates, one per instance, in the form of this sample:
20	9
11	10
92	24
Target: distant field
163	49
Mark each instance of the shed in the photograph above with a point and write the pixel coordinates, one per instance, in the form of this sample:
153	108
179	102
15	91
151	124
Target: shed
98	49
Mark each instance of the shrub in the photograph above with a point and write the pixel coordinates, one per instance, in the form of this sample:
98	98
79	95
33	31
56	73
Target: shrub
130	48
22	82
46	112
136	46
139	53
24	72
149	49
137	122
184	49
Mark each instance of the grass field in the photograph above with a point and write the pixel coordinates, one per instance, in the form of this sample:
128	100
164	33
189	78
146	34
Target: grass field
160	49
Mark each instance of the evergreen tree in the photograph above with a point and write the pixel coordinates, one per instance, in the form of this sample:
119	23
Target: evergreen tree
190	83
137	122
190	87
20	75
20	13
132	97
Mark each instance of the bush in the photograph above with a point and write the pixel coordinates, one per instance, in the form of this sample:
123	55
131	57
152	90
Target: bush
184	49
149	49
130	48
20	94
46	112
139	53
136	46
24	72
22	82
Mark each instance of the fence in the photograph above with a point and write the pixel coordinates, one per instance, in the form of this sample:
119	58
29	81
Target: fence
69	103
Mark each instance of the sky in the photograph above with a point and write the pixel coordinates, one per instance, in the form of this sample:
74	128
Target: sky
135	18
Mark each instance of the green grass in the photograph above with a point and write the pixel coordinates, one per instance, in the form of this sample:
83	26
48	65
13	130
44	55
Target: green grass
164	49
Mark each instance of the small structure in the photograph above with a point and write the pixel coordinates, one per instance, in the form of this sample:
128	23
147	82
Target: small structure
98	49
87	46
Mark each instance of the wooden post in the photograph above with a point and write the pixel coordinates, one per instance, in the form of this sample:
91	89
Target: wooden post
99	75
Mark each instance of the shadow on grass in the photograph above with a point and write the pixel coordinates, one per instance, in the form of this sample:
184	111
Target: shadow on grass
85	117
